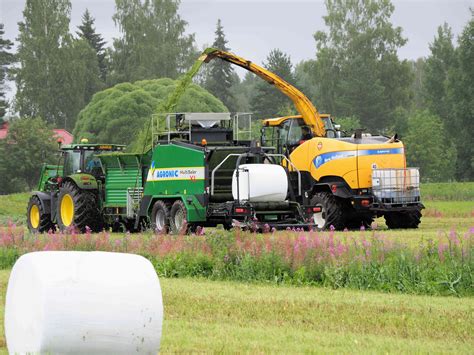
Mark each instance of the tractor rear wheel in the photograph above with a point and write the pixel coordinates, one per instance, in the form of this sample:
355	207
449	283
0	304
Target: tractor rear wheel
37	219
78	208
179	218
403	220
160	217
331	211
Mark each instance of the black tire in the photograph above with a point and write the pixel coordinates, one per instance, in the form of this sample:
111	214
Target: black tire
358	221
179	218
86	212
37	219
160	217
331	213
403	220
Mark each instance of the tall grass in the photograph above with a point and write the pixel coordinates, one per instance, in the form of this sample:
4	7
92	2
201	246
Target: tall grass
359	260
448	191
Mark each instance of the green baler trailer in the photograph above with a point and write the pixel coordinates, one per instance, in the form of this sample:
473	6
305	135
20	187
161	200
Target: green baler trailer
183	182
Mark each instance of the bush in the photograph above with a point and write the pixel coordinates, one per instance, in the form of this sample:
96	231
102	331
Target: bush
118	114
359	260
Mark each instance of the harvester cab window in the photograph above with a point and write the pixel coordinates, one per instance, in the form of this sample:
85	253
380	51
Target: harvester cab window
299	133
330	129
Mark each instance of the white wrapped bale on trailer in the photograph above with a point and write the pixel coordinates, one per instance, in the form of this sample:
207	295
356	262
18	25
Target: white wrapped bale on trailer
260	183
83	303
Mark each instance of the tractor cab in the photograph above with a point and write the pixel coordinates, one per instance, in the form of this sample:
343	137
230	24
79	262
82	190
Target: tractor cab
286	133
82	157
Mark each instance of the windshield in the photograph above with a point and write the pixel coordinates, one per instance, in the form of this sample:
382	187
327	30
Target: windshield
72	162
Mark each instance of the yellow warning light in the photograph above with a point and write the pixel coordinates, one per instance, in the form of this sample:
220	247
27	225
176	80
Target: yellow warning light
203	141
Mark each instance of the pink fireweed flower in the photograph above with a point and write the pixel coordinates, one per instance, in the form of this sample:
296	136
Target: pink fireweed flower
441	249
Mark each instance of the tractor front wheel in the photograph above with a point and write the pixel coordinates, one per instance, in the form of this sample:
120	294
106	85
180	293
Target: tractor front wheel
331	211
78	208
37	219
403	220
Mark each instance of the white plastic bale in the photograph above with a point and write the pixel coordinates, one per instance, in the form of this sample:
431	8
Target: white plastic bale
260	183
83	303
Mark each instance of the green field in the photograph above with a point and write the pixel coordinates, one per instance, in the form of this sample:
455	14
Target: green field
219	316
211	316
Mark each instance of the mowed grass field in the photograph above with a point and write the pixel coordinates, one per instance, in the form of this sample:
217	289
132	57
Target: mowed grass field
211	316
217	316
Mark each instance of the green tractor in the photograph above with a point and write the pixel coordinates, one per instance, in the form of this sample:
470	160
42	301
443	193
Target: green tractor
70	193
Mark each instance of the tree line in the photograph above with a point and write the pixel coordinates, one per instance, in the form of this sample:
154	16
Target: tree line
355	74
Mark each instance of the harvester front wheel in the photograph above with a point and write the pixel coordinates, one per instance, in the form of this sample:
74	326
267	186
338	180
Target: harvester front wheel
78	208
179	218
160	217
37	219
403	220
331	211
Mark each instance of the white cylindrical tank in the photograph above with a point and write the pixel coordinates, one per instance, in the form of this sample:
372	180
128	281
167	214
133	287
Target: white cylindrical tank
66	302
260	183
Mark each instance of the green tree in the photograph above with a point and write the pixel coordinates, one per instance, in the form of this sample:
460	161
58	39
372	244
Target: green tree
418	70
436	72
28	145
87	32
44	36
221	74
153	44
268	101
57	75
357	70
460	95
348	124
118	114
428	147
6	58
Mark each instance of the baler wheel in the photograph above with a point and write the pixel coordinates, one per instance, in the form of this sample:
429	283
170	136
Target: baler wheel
160	217
403	219
78	208
37	219
331	211
179	218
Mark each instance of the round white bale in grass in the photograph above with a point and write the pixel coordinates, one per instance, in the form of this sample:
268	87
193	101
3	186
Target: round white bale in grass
83	302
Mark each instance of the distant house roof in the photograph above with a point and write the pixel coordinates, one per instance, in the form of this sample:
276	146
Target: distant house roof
64	135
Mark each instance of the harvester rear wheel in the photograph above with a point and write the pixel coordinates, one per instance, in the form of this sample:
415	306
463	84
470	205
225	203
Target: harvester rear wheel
160	217
37	219
403	220
331	211
78	208
359	221
179	218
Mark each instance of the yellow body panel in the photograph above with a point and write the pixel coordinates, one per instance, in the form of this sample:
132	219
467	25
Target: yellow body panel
323	157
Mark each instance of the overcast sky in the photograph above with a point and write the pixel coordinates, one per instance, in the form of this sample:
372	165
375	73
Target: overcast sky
254	28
